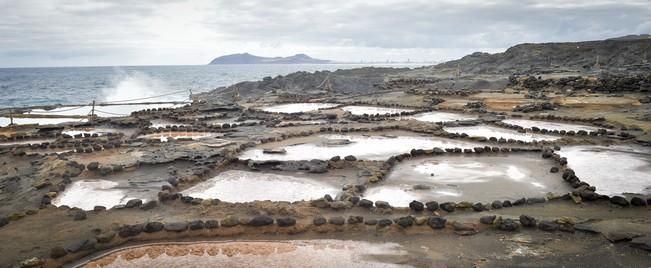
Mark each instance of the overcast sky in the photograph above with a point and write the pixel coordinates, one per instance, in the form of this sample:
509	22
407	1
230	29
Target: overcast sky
157	32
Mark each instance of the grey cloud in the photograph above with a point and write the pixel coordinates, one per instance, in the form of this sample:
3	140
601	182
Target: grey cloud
63	29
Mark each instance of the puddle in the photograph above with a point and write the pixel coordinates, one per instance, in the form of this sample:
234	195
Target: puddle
298	253
4	121
165	136
86	194
376	147
613	170
103	111
443	117
297	107
497	132
245	186
372	110
468	178
117	188
525	123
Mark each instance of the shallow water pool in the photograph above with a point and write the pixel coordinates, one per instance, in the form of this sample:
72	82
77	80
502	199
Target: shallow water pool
468	178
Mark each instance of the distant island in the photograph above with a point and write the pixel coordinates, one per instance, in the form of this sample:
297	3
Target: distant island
246	58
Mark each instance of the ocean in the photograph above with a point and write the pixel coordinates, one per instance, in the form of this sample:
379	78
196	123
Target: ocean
21	87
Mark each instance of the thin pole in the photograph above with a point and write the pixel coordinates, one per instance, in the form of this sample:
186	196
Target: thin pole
11	117
92	111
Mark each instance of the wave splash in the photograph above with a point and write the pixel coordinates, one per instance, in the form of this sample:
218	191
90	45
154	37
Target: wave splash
138	87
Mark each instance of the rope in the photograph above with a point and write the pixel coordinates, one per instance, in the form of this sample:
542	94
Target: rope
96	110
146	98
60	111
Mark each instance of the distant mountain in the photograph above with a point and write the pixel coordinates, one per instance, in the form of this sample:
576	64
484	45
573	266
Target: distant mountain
246	58
632	37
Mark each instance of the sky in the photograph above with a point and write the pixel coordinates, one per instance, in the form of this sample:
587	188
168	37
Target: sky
169	32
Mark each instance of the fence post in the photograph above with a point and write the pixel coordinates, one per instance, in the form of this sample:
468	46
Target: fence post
92	112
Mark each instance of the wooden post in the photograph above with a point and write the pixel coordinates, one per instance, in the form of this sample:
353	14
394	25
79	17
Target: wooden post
92	112
11	117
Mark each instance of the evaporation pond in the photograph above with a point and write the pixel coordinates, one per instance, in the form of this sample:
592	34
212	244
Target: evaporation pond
103	111
612	170
297	253
371	110
324	147
245	186
498	132
525	123
443	117
86	194
297	107
468	178
5	121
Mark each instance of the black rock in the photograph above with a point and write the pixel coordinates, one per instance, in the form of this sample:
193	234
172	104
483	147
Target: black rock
99	208
261	220
149	205
432	205
196	225
619	200
642	242
319	221
130	230
638	202
553	170
384	223
133	203
527	221
520	201
508	225
405	222
536	200
548	226
436	222
152	227
328	198
211	224
350	158
355	219
286	221
79	215
82	245
448	206
478	207
487	219
176	226
57	252
416	206
496	204
382	204
365	203
338	220
370	222
507	204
